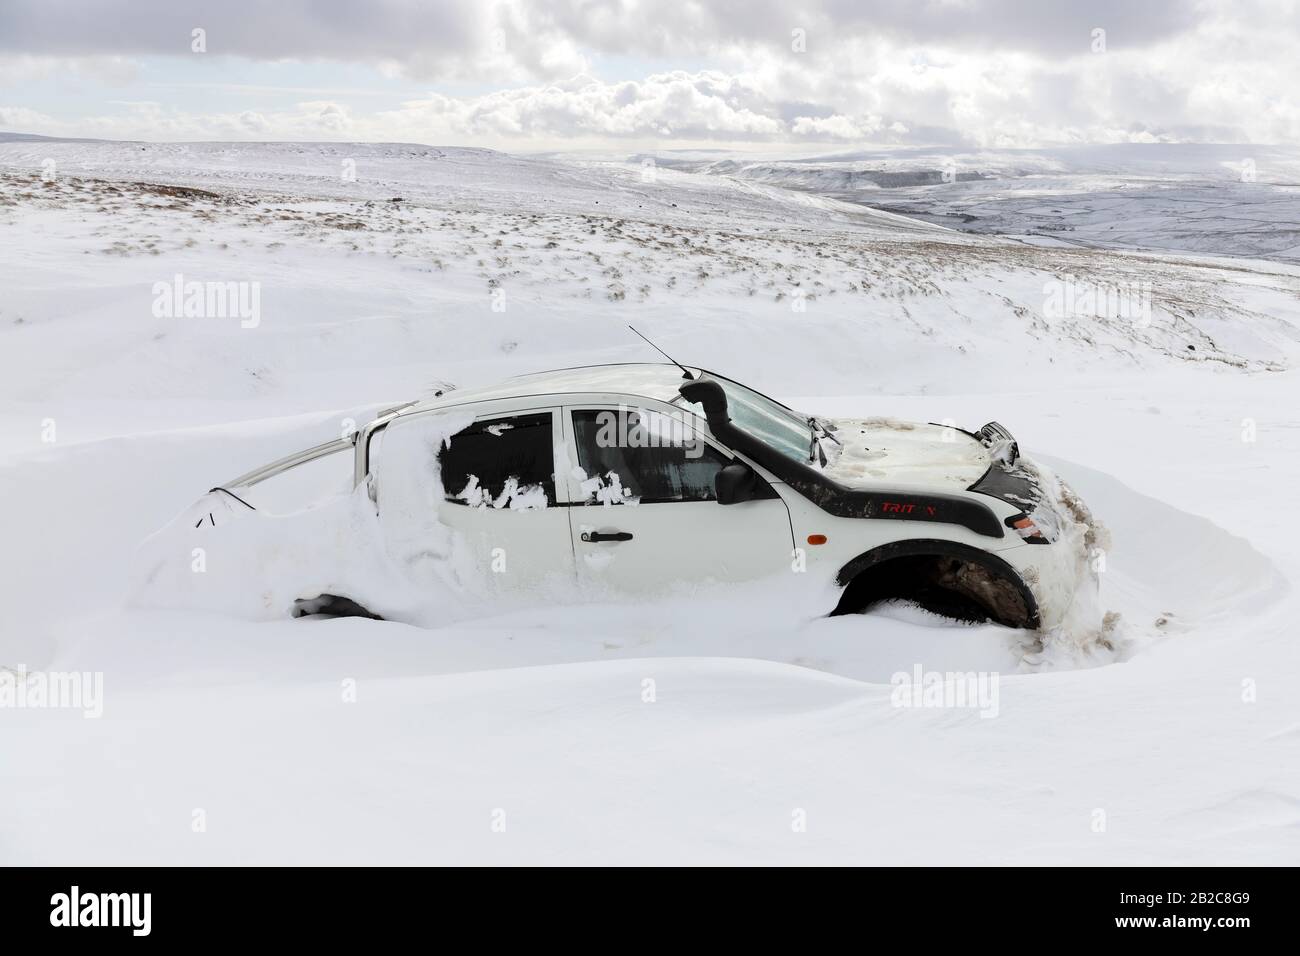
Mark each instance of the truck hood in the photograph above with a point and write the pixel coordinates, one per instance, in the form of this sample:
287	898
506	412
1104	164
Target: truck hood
907	453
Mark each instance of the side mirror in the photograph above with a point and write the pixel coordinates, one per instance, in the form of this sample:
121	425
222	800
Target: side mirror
735	483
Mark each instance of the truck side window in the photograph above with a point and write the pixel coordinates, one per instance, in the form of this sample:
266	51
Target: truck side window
646	456
504	462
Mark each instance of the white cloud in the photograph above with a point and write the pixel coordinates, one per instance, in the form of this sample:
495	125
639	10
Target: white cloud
841	127
254	122
21	118
331	117
707	105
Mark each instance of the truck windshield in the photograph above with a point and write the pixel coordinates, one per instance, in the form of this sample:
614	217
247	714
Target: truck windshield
776	426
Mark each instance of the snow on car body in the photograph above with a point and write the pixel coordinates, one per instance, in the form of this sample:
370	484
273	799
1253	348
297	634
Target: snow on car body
632	478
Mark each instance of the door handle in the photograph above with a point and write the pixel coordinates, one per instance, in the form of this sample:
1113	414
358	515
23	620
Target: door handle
607	536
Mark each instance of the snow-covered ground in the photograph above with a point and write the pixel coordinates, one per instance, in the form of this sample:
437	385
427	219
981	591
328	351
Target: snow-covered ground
1221	199
525	734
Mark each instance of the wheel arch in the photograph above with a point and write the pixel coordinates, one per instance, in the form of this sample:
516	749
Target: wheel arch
937	548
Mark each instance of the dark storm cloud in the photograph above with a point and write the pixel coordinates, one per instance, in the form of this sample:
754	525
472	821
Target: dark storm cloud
1044	26
328	29
1052	27
407	30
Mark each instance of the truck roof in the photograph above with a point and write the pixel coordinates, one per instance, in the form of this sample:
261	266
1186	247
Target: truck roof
644	379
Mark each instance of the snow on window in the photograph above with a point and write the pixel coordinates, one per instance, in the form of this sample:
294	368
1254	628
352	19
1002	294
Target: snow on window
514	496
640	463
606	490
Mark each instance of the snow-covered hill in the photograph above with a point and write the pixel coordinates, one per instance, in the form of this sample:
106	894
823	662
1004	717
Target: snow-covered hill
439	265
1217	200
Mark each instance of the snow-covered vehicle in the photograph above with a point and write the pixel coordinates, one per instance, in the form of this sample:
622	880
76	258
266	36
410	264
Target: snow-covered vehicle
637	477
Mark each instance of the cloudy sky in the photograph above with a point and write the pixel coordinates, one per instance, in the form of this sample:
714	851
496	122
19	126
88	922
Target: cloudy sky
636	74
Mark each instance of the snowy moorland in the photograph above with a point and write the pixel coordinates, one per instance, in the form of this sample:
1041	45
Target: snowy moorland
520	732
1223	200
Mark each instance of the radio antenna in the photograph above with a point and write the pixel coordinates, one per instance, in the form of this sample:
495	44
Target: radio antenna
685	372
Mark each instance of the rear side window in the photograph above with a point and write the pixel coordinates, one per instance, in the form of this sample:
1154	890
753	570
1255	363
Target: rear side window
501	463
646	457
